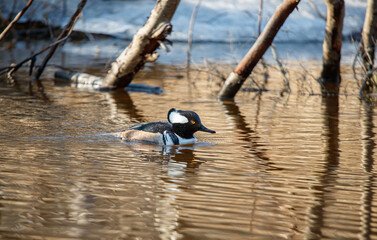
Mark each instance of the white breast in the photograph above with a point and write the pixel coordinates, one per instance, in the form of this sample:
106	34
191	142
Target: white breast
183	141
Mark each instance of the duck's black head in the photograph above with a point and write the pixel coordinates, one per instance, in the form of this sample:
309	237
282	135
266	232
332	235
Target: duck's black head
186	123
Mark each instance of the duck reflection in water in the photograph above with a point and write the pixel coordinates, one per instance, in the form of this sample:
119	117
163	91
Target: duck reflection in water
177	153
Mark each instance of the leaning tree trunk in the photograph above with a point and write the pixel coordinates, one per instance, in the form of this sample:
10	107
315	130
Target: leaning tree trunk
332	44
143	45
236	78
369	35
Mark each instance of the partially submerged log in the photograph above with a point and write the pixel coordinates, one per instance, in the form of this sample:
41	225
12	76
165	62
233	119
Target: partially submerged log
332	44
84	80
80	79
236	78
143	45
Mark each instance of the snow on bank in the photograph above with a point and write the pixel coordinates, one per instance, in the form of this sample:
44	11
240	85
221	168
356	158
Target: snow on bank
217	20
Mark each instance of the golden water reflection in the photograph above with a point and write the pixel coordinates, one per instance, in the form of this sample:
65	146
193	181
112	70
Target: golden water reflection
296	167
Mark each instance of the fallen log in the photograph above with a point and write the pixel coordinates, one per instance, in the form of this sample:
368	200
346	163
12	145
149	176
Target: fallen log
140	51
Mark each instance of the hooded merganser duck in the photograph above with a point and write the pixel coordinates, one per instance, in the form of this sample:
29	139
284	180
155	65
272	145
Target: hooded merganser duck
179	130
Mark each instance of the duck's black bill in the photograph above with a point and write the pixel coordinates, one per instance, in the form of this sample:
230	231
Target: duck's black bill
204	129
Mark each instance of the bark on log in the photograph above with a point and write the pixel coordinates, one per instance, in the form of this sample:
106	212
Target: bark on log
236	78
332	44
143	45
369	35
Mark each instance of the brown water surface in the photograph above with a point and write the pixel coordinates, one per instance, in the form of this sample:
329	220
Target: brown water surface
295	166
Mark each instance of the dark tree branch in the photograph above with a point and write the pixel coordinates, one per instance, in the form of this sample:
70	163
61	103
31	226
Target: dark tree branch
16	18
66	32
11	69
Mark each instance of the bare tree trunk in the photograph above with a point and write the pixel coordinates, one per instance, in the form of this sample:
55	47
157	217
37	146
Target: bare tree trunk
332	44
369	35
236	78
143	45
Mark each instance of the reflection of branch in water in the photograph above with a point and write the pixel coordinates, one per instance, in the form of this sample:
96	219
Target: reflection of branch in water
330	108
248	135
40	90
122	100
257	113
368	146
40	94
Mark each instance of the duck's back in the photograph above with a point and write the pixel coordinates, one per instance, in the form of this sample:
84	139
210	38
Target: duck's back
153	127
152	132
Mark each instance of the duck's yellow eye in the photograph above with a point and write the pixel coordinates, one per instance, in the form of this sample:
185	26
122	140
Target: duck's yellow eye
193	122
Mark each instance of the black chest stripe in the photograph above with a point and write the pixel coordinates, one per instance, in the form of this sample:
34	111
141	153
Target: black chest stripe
173	137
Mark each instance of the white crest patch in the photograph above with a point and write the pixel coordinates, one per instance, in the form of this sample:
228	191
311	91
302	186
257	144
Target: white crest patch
175	117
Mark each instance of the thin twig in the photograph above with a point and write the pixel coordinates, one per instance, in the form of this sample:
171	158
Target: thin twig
315	8
264	64
356	59
66	32
189	42
212	70
260	16
307	72
282	70
16	18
